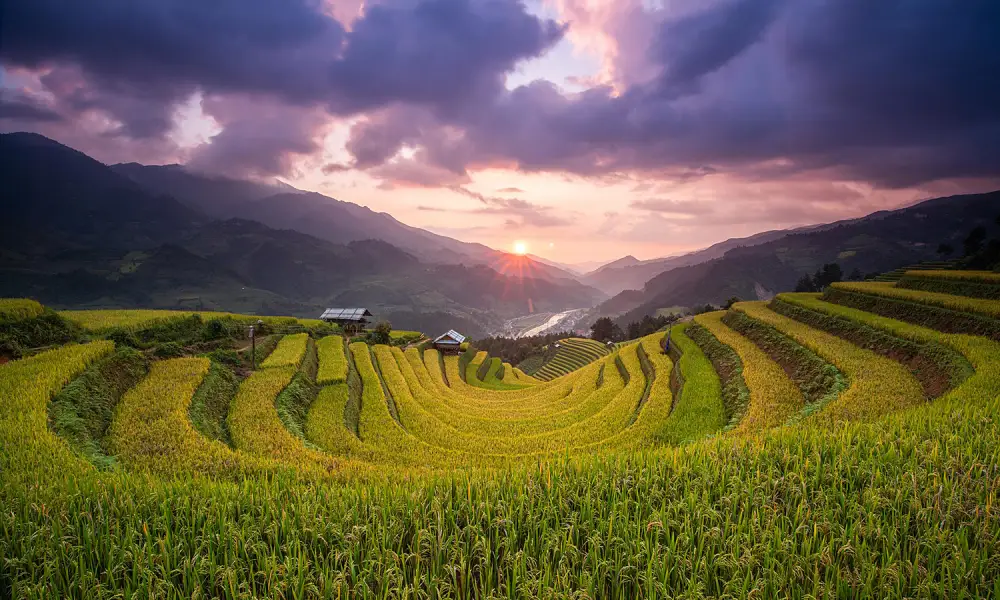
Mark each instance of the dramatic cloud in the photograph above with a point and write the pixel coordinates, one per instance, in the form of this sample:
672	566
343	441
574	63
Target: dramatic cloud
896	96
518	213
19	106
137	61
259	138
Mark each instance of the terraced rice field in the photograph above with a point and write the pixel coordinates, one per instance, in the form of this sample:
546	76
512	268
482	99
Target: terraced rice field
802	448
573	353
98	320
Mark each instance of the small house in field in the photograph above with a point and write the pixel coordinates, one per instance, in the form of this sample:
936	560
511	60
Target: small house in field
351	320
450	342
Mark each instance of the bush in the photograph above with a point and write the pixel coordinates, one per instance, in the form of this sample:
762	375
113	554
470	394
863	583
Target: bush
169	350
226	356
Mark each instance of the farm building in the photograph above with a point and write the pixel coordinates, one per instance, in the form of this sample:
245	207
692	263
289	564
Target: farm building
349	319
449	342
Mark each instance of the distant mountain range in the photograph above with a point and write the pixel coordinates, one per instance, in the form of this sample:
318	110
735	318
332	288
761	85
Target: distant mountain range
77	233
284	207
631	273
760	266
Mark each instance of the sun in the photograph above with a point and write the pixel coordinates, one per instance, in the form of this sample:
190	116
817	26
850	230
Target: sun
520	247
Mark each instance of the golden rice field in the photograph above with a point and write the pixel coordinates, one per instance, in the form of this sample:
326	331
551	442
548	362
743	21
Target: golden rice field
357	471
97	320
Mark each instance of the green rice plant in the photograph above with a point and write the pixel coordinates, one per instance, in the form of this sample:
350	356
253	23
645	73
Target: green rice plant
426	426
326	426
293	403
15	309
729	367
289	353
493	379
520	376
332	360
819	380
82	411
988	277
977	306
946	320
698	410
99	320
151	431
974	284
209	408
30	453
773	396
573	353
256	428
502	421
877	384
936	366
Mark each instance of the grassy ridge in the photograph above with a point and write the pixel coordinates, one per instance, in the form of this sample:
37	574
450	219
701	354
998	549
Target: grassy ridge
773	396
573	353
877	384
698	409
15	309
97	320
332	360
82	411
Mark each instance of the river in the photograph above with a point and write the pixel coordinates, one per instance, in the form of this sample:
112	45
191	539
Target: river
549	324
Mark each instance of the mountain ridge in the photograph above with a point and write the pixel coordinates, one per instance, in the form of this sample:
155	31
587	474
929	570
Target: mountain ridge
80	234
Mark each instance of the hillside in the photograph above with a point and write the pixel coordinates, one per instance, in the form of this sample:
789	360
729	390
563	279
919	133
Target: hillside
283	207
78	234
861	422
879	242
629	273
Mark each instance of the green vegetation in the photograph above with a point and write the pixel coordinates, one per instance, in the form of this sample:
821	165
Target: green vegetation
799	448
16	309
81	412
572	353
210	403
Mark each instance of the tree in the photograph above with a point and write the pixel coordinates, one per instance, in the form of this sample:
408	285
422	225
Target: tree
380	335
830	273
731	302
603	330
805	284
945	249
855	275
974	242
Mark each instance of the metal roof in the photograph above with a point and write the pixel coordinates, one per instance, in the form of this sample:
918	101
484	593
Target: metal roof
451	333
345	314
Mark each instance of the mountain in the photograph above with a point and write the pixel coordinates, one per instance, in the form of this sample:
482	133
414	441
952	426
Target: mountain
630	273
879	242
77	233
283	207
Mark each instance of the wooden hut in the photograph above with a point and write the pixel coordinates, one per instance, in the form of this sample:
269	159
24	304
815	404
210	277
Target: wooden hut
351	320
450	342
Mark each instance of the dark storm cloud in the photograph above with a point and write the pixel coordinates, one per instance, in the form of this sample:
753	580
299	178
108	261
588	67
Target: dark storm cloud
694	46
137	60
895	93
18	106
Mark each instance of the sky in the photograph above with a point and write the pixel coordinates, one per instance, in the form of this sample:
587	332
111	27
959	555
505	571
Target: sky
586	129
